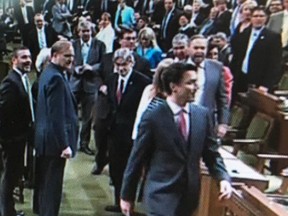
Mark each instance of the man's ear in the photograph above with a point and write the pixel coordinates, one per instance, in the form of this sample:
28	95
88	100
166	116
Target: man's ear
172	87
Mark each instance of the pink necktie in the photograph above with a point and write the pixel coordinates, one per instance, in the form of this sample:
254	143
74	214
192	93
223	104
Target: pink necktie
182	125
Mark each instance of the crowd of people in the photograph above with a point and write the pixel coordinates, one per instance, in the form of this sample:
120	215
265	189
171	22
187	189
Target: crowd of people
101	56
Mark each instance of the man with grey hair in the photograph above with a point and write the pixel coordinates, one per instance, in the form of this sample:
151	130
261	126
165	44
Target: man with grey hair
85	80
180	45
125	88
212	93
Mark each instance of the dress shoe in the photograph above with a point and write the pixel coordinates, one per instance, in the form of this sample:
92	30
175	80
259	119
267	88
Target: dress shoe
86	150
96	170
113	208
20	213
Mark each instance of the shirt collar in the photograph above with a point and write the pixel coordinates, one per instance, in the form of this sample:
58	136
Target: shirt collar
126	78
257	31
190	61
18	71
175	107
88	42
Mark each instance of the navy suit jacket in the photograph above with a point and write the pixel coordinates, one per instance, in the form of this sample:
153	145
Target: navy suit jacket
265	57
15	113
56	116
174	164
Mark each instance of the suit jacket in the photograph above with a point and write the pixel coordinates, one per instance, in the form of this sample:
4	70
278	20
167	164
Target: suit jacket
89	80
172	27
173	177
124	114
215	95
186	2
60	20
222	22
15	113
20	19
97	10
275	22
264	66
224	55
56	114
33	45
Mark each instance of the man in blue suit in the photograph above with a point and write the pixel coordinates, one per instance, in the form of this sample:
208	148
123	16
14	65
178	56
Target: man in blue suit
184	135
56	128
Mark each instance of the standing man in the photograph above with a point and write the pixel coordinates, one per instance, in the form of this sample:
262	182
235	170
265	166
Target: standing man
16	117
56	128
169	25
24	15
41	36
128	40
212	93
125	89
180	47
85	80
173	152
257	55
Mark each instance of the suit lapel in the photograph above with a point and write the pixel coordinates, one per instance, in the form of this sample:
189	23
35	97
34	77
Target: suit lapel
193	127
129	87
90	50
78	51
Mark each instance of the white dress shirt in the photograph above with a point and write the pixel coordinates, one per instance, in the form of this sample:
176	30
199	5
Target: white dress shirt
107	36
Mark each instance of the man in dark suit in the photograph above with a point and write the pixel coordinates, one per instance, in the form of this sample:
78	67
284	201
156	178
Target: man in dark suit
174	150
212	93
257	55
56	128
101	109
24	15
224	48
15	126
125	89
85	80
41	36
169	25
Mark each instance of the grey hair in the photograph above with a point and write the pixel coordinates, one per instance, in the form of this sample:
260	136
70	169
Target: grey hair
124	53
85	25
181	39
221	35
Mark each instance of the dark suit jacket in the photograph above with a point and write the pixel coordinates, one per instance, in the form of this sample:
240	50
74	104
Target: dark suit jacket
222	22
33	45
15	113
173	177
20	19
56	114
265	57
89	81
172	27
95	5
124	114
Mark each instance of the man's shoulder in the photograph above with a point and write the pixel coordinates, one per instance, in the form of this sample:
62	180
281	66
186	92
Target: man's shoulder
141	77
199	109
277	15
213	64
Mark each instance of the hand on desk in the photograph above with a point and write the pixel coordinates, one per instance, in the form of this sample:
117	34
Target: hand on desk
127	207
225	190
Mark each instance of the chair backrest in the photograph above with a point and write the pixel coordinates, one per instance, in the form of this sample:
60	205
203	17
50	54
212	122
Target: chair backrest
4	69
283	83
239	118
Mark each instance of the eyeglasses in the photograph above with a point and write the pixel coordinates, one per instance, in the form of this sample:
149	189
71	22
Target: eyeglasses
129	38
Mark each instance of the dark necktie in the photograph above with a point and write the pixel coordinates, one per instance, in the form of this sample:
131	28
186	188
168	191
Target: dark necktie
120	91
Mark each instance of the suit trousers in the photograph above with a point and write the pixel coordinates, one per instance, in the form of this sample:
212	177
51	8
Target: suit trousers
119	151
86	100
12	170
101	141
50	183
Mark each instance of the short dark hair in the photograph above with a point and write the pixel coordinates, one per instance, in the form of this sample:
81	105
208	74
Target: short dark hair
259	8
174	74
126	30
16	51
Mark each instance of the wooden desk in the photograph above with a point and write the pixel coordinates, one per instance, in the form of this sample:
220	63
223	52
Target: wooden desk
239	172
269	104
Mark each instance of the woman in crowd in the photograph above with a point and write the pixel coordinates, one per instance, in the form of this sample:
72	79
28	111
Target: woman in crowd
106	33
245	16
148	47
152	94
213	53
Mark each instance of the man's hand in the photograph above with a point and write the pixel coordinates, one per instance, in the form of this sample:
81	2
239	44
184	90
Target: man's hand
103	89
87	67
225	190
221	130
66	153
127	207
79	69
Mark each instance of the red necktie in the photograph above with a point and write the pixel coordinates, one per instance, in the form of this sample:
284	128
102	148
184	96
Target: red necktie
182	124
120	91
